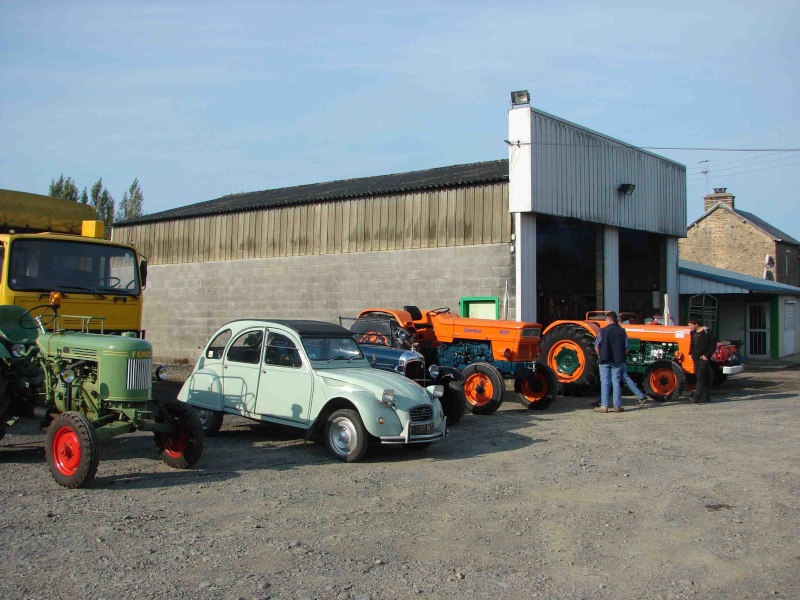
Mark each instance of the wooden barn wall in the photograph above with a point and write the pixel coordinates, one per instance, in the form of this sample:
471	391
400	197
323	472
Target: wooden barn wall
464	216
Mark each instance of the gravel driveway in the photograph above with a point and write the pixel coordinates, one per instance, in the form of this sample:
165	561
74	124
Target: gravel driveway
663	501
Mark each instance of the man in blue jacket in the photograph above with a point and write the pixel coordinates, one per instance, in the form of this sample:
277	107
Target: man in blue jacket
701	349
611	346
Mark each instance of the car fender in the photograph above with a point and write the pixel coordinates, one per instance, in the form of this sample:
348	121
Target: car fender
369	408
203	389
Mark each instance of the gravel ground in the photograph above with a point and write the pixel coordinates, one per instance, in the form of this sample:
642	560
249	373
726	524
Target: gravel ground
662	501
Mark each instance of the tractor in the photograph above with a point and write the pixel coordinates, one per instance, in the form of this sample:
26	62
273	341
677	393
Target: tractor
85	387
486	351
659	355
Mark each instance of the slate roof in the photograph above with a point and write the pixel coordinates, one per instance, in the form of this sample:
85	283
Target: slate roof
753	284
776	234
443	177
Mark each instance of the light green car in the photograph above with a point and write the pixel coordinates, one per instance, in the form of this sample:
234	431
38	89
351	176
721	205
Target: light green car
311	375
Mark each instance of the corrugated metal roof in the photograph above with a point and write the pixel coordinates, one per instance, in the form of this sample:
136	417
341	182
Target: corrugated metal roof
772	231
744	283
457	175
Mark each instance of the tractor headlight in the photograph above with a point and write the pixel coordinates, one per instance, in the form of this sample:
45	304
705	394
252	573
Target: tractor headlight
434	371
18	350
162	373
67	376
388	398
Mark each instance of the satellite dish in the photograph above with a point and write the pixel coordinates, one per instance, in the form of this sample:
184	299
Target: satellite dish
768	275
769	261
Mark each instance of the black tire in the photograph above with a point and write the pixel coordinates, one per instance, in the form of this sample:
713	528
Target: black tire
454	402
569	352
664	381
72	450
717	376
418	447
483	388
183	447
345	435
210	420
537	389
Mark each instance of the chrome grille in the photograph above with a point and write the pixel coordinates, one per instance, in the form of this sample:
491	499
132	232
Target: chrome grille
415	370
139	370
421	413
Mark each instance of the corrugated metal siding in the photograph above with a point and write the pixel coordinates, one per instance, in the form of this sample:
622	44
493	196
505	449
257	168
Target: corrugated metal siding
463	216
688	284
576	173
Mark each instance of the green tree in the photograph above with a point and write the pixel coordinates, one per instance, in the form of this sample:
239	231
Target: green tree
64	188
132	203
103	204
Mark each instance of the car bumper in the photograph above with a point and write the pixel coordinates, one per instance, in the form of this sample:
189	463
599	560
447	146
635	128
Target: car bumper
732	370
407	438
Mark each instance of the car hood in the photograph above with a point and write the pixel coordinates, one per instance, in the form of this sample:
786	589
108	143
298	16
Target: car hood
376	381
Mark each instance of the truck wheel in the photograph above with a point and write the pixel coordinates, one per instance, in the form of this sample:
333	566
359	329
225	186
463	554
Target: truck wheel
346	436
71	449
537	389
664	381
483	388
183	447
454	402
570	354
210	420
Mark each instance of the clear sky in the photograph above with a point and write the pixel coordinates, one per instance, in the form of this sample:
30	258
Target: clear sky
202	99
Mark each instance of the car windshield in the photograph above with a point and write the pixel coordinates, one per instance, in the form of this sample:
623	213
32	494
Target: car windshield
41	265
332	349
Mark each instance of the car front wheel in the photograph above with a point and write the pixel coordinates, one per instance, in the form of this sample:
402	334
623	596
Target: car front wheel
346	436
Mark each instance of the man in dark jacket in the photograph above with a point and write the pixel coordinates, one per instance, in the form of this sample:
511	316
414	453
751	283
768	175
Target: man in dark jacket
611	346
701	349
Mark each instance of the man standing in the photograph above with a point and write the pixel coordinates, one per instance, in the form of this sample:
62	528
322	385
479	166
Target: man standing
611	345
701	349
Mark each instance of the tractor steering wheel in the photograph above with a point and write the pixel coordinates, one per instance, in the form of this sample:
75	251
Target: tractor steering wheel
28	321
439	311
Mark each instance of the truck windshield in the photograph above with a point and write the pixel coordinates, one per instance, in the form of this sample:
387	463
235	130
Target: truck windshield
42	265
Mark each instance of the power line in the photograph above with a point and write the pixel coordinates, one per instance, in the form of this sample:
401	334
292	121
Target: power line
724	149
744	172
726	162
624	146
766	162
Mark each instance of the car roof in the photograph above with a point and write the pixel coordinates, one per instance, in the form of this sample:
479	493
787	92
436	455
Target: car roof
304	327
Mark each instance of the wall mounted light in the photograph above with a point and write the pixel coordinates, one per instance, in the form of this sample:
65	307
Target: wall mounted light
520	98
626	188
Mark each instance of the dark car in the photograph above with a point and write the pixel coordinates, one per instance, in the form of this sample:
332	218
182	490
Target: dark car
389	347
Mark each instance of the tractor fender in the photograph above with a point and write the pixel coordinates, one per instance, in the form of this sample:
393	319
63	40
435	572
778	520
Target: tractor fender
451	373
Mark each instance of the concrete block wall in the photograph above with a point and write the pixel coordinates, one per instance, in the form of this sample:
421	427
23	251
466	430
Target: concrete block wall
185	303
724	241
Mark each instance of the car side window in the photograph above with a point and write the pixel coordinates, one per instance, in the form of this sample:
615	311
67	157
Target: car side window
247	347
281	352
217	346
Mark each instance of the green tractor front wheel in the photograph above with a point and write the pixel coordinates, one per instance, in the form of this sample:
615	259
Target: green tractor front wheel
181	448
72	450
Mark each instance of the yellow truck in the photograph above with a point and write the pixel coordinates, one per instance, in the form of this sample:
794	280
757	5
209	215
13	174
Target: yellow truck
54	245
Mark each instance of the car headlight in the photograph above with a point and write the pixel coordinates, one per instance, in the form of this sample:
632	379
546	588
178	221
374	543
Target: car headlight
67	376
388	398
18	350
162	373
400	369
434	371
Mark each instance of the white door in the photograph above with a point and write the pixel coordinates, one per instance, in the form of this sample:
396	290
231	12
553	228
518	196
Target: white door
757	334
789	308
240	371
285	386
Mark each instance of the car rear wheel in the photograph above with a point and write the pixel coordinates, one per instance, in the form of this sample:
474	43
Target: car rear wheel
483	388
210	420
72	450
345	435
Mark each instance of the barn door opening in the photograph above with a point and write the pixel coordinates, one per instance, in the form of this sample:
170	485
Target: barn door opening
757	342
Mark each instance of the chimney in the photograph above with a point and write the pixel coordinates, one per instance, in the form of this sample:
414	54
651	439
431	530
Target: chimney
719	195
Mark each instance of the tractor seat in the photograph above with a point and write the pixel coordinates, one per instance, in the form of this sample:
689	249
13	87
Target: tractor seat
10	329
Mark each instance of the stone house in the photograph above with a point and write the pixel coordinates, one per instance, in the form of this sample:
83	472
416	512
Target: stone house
735	240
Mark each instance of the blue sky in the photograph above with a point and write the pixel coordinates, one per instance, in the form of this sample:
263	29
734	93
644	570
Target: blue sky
201	99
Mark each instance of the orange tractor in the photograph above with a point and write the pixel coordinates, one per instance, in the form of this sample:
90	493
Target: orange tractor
659	355
485	350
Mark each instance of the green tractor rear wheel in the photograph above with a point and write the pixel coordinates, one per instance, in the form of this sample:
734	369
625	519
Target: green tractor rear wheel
182	448
569	352
72	450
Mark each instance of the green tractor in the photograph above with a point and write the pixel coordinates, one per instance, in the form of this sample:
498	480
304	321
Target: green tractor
86	387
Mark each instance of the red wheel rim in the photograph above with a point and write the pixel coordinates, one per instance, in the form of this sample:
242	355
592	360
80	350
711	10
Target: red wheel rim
663	381
66	451
527	391
478	389
560	358
175	443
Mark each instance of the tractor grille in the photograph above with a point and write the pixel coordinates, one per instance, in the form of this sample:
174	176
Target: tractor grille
139	376
415	370
82	353
421	413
